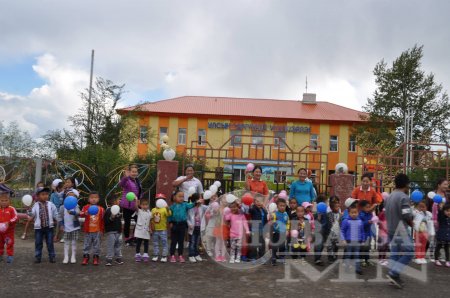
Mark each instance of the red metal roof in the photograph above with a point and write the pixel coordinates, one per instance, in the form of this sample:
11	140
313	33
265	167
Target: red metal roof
249	108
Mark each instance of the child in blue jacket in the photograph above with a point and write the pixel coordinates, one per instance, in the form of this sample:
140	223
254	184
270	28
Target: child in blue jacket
352	233
366	216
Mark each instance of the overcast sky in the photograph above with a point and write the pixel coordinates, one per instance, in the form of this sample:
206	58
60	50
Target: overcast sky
243	48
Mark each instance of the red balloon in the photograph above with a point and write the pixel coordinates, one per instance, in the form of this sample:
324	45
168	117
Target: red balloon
247	199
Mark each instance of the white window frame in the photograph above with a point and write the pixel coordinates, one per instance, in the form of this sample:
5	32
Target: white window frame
276	140
182	136
332	141
352	143
201	138
238	134
162	134
260	135
311	147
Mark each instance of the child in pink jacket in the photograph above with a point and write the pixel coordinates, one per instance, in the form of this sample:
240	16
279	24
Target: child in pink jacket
238	225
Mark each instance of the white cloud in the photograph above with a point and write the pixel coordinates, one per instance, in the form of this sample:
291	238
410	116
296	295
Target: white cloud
48	106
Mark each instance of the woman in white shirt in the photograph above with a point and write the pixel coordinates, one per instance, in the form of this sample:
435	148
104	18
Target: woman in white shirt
185	182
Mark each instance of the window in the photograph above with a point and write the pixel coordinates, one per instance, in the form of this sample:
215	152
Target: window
239	175
313	142
352	144
162	133
280	177
181	136
237	140
202	137
333	143
280	135
257	138
143	134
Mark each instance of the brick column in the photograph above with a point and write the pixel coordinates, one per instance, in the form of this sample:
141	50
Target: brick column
167	173
341	186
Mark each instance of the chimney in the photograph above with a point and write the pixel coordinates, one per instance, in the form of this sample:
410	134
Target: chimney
309	98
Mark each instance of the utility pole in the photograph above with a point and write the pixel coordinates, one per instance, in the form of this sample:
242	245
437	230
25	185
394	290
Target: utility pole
89	120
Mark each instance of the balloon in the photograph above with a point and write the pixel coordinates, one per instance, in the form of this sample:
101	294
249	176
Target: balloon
282	195
437	199
375	219
169	154
416	196
250	167
115	209
272	207
70	203
431	195
443	200
226	211
230	198
247	199
322	208
207	195
294	233
283	191
3	227
161	203
218	184
213	188
385	195
192	190
93	210
215	206
130	196
27	200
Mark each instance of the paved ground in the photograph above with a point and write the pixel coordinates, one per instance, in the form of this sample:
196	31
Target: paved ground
23	278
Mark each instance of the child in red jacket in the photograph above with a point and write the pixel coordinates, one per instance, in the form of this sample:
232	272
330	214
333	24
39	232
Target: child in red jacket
8	218
93	228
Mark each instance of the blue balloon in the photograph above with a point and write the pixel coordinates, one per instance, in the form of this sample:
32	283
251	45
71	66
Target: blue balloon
93	210
437	199
322	208
416	196
70	203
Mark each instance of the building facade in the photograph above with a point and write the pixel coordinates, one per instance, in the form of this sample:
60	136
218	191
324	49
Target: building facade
280	135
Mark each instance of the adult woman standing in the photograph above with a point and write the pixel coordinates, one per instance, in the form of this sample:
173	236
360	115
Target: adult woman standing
302	189
185	182
254	182
129	183
441	189
366	193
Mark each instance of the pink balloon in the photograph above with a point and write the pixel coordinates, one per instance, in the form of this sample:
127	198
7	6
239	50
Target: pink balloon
250	167
282	195
226	210
294	233
375	219
385	195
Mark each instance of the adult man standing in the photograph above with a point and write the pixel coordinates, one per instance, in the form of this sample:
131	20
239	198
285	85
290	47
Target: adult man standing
399	216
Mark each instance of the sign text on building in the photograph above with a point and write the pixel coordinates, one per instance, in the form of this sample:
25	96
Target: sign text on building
258	127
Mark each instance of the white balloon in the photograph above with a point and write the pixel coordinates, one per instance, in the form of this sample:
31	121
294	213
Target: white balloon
213	188
161	203
272	207
169	154
207	195
230	198
115	209
192	190
27	200
218	184
431	194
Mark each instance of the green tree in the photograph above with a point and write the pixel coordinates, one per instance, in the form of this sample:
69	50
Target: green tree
401	86
14	142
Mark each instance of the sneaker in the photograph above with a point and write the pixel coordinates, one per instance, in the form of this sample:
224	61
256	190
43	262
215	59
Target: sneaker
52	260
96	260
222	259
395	281
318	262
138	258
359	272
61	241
417	261
438	263
198	258
66	260
274	262
108	262
155	259
24	236
172	259
238	260
210	254
145	258
181	259
231	260
164	260
9	259
218	259
243	259
37	261
423	261
85	260
447	264
73	260
119	261
192	260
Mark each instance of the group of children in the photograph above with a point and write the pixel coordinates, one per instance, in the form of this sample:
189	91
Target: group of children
228	226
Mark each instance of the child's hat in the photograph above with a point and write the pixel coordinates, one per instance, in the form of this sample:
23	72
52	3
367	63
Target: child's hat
56	182
349	202
160	196
5	189
42	189
75	193
306	204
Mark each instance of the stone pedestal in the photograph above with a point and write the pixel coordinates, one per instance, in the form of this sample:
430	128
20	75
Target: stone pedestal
341	186
167	172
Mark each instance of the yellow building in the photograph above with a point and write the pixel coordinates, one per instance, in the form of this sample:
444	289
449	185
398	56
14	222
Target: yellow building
280	135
